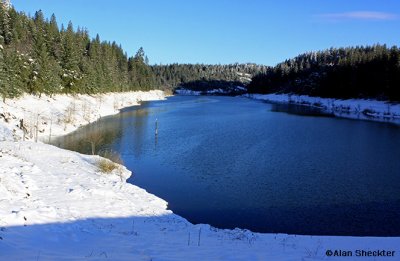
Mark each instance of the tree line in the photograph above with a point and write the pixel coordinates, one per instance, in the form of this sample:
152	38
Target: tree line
353	72
39	57
205	76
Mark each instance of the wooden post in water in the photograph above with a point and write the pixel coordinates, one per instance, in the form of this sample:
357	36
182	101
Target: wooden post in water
156	131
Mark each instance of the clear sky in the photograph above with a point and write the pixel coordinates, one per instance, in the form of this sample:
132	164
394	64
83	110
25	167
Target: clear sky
228	31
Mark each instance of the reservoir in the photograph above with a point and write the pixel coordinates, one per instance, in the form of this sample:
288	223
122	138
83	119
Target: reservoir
236	162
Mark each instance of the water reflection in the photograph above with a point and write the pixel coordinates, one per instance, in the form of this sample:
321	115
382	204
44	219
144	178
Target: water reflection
299	110
91	139
129	129
234	162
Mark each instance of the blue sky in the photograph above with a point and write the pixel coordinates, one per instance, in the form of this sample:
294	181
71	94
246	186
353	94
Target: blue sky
228	31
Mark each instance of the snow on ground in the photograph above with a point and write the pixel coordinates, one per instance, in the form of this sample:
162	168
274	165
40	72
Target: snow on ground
187	92
219	91
56	205
350	108
60	114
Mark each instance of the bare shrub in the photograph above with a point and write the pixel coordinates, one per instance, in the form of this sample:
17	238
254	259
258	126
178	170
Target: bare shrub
70	113
86	111
168	92
95	138
106	166
116	103
110	161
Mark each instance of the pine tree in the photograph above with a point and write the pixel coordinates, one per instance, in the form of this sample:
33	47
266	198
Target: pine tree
95	56
45	74
4	84
53	38
14	69
140	73
5	29
69	60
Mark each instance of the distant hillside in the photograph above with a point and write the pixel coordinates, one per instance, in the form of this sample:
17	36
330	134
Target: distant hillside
203	77
354	72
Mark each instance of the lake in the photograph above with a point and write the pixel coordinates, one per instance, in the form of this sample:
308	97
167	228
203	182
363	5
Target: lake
236	162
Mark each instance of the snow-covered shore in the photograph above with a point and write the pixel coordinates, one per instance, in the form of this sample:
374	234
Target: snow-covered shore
60	114
56	204
350	108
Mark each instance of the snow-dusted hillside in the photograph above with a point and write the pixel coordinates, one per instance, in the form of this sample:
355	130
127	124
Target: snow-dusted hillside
57	205
235	90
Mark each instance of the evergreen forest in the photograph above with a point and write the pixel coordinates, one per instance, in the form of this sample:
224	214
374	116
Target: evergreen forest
354	72
37	56
204	77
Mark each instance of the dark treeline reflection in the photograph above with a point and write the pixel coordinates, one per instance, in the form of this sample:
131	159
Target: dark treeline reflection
100	136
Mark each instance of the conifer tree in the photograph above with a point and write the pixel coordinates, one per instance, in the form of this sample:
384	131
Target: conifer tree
5	24
69	60
4	84
14	70
53	38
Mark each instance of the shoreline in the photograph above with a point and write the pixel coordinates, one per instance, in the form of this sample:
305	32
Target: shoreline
359	109
50	202
58	115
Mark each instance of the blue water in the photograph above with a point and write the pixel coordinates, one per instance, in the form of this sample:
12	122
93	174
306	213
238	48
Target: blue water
235	162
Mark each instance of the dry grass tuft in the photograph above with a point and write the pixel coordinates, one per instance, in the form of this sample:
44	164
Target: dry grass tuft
110	161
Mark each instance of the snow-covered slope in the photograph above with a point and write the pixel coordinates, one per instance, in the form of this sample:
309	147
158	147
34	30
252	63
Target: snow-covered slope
350	108
57	205
60	114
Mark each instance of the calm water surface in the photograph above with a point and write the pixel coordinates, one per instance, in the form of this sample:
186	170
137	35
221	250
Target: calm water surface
234	162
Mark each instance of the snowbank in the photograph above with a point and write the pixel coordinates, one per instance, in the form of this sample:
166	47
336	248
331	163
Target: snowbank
220	91
351	108
187	92
61	114
57	205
